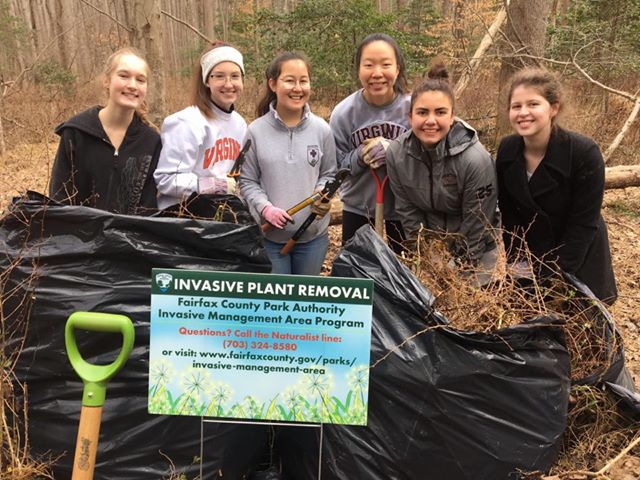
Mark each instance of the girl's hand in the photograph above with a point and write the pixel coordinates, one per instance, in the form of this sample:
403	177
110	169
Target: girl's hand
372	152
214	186
276	216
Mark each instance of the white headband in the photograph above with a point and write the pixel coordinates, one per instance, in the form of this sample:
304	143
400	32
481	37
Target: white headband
219	55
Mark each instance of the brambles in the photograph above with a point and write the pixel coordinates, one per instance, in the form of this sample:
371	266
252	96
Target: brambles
596	429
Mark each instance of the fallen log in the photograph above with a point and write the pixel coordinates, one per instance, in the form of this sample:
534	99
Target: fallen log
622	176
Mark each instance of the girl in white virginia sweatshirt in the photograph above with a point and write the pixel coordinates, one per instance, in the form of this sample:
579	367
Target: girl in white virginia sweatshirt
292	155
201	142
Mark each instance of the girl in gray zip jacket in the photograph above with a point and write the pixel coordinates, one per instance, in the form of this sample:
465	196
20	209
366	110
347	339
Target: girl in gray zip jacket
443	178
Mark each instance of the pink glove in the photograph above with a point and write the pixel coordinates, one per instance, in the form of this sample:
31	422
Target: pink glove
276	216
213	185
373	152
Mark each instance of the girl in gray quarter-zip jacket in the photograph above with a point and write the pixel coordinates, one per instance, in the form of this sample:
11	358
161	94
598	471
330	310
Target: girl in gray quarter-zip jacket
292	155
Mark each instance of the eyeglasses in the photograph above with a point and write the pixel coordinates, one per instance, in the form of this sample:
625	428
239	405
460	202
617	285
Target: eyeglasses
291	83
222	78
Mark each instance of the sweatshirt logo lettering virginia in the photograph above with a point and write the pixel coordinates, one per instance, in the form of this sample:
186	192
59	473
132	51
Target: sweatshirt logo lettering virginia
390	131
225	148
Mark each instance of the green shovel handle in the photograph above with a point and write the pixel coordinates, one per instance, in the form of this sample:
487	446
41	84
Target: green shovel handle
95	377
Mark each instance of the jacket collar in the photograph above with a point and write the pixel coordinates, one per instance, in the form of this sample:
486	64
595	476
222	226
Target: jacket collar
89	123
556	161
274	114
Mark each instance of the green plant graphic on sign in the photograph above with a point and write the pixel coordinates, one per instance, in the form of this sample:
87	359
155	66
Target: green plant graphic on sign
310	399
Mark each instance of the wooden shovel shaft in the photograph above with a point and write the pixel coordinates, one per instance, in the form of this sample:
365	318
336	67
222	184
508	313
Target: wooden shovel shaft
380	184
84	461
379	220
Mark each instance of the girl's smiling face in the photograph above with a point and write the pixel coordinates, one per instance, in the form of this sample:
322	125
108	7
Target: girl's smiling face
225	83
530	114
431	117
292	87
127	84
378	72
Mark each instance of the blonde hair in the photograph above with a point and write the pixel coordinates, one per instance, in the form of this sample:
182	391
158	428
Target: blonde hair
110	65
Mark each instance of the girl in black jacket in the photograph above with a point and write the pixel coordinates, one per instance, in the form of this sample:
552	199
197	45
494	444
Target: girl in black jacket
551	185
107	155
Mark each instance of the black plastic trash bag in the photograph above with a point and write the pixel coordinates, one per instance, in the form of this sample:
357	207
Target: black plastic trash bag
445	404
87	259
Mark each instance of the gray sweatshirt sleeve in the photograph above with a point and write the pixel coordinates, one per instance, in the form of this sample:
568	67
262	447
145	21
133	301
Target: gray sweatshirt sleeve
411	217
250	186
328	163
346	154
479	200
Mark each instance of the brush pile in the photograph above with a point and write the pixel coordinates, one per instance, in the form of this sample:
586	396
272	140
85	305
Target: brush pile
596	430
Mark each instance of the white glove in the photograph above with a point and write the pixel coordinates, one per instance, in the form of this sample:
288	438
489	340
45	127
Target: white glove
216	186
373	152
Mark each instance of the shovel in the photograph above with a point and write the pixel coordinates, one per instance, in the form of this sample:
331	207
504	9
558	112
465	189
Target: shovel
380	184
95	378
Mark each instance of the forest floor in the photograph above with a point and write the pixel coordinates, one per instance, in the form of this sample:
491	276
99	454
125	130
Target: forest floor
27	167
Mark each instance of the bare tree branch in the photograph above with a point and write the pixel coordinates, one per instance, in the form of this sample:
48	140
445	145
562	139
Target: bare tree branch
7	85
486	42
584	73
623	131
190	27
107	14
635	98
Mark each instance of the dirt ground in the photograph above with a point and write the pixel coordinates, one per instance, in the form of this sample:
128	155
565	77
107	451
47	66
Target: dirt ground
27	168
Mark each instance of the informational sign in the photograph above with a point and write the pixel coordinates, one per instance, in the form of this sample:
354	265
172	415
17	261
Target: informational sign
260	346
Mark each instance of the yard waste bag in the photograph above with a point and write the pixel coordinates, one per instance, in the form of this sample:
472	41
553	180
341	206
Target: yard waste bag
62	259
444	404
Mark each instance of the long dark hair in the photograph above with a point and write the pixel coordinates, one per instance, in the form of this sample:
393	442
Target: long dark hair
437	81
401	82
272	72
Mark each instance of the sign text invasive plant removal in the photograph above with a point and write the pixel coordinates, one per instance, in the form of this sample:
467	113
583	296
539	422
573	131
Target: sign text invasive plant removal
259	346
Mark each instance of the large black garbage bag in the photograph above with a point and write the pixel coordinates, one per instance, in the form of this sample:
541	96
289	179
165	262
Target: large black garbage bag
87	259
445	404
596	313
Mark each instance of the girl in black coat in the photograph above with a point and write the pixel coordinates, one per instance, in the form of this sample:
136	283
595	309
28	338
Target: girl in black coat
551	185
107	155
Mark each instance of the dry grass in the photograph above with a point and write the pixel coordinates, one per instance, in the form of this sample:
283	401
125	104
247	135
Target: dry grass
508	300
596	430
16	302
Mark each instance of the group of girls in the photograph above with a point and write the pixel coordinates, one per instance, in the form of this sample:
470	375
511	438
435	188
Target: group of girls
547	182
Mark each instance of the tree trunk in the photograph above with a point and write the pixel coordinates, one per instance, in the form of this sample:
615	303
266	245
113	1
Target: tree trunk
147	36
525	33
446	9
